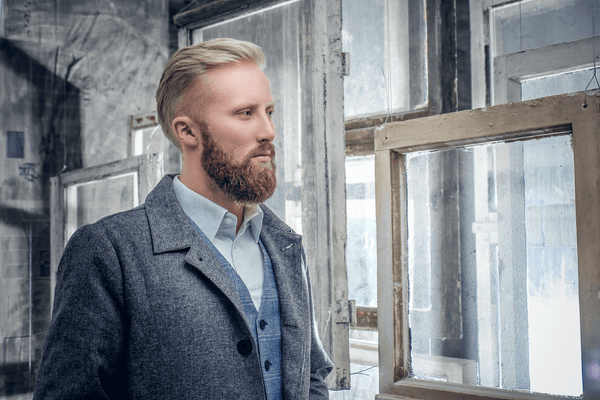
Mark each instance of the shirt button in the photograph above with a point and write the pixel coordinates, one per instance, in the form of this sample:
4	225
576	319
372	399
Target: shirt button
268	365
263	323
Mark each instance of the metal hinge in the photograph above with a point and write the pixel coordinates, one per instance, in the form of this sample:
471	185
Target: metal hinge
346	312
345	64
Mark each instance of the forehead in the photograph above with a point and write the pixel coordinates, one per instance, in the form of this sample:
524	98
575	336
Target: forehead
237	82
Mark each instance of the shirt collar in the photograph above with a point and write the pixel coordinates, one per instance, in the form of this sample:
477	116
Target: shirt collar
209	215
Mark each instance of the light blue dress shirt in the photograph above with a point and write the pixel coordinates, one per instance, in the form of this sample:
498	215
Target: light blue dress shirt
241	250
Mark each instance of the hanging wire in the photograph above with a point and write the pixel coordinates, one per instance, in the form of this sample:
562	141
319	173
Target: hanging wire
151	135
388	82
594	58
387	97
521	26
362	371
188	5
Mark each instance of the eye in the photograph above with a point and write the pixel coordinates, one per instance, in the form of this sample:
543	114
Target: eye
270	113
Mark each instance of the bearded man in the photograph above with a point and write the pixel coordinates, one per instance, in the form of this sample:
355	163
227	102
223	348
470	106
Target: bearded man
202	292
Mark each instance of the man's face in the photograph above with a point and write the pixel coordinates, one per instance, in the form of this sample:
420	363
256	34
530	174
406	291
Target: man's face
246	182
237	133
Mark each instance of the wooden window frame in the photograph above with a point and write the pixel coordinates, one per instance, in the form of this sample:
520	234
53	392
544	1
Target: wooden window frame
507	122
360	131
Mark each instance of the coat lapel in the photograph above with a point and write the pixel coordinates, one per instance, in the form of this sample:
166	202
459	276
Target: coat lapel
285	249
172	231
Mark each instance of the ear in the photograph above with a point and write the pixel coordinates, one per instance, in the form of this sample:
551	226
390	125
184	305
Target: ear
186	131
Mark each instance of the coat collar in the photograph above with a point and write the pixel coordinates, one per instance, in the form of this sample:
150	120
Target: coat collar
170	227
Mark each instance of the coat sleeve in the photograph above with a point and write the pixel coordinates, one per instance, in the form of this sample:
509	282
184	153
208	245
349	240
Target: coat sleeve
320	363
82	352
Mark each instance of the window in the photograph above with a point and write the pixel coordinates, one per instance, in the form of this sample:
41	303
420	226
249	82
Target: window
531	49
486	229
83	196
395	73
388	72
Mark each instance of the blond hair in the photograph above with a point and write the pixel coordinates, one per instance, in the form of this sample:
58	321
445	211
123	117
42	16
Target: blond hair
190	63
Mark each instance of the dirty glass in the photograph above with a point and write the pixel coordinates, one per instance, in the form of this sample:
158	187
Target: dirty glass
551	85
534	24
361	262
361	248
283	70
492	265
386	41
90	201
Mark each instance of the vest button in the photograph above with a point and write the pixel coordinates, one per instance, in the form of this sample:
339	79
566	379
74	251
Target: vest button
263	323
268	365
245	347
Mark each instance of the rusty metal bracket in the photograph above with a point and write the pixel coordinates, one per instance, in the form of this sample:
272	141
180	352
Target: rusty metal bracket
346	312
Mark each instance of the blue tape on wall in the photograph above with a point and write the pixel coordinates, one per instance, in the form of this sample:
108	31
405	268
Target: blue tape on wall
14	144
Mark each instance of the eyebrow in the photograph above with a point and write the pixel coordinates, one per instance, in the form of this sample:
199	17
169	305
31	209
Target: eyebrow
249	104
244	105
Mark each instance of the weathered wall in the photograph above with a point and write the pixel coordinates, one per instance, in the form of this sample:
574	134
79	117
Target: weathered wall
71	73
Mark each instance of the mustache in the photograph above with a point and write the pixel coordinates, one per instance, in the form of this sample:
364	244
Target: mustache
265	148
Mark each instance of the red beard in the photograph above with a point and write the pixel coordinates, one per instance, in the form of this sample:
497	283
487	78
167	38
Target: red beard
244	183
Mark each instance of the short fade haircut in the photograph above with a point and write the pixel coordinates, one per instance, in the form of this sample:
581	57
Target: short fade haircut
190	63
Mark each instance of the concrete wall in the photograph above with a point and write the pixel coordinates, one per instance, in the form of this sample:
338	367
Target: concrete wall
71	73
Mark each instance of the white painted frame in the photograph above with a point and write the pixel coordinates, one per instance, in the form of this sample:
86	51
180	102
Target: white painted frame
148	169
497	123
480	38
506	72
511	69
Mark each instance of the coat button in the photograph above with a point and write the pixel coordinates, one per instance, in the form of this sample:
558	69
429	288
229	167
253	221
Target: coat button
268	365
245	347
263	323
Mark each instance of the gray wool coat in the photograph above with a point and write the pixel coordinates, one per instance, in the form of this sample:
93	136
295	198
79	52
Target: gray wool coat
144	310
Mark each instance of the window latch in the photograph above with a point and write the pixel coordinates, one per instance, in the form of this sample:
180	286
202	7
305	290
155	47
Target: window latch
345	64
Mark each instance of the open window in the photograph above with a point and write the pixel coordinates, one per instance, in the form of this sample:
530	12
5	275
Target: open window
394	50
86	195
488	227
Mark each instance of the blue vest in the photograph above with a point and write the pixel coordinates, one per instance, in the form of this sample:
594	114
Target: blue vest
265	323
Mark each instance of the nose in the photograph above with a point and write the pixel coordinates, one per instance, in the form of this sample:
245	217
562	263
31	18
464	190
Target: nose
266	129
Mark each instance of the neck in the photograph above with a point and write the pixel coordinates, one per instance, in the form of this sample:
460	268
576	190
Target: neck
198	181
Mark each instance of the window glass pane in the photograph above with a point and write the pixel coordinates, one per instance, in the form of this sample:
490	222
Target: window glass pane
90	201
558	84
361	261
275	30
361	248
387	37
492	263
362	36
533	24
152	140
